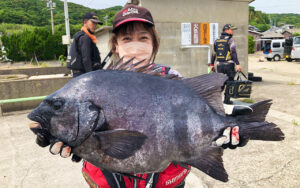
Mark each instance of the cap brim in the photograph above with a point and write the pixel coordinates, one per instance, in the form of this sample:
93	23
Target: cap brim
233	28
133	20
97	21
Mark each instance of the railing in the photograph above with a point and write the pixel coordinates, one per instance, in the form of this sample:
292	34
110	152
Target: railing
8	101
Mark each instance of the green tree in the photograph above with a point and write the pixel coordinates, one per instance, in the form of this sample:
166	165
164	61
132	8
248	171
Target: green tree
12	45
251	44
296	34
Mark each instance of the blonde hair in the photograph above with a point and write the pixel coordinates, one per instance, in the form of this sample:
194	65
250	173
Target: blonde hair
129	28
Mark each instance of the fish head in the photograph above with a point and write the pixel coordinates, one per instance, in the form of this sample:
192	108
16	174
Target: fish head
68	119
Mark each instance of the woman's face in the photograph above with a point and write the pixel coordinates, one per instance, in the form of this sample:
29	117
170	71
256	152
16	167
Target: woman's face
138	44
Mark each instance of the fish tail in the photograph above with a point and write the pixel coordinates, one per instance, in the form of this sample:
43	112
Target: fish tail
254	126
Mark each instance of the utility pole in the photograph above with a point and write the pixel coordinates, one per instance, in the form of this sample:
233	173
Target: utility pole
106	18
67	19
66	39
51	12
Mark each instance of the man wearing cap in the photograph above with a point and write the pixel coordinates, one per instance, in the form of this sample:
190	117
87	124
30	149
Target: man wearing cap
85	56
226	56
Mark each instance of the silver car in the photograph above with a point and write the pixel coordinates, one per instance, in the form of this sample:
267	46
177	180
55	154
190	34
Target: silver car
274	49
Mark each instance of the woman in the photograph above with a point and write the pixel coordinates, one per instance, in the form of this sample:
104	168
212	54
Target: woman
134	36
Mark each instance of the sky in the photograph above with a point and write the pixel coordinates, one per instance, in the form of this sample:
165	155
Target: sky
277	6
267	6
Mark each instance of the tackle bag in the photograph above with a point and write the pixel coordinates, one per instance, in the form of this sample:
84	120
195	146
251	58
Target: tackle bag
239	88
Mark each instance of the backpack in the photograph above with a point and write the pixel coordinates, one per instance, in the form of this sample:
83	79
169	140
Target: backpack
222	49
75	59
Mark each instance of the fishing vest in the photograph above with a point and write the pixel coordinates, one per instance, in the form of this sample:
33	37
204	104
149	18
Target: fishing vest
171	177
222	49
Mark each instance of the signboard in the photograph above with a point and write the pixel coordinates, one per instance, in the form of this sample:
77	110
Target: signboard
199	33
195	33
186	35
205	34
214	30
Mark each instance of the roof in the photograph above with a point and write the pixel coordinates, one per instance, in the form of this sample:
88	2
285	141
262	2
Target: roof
255	32
103	29
293	30
272	34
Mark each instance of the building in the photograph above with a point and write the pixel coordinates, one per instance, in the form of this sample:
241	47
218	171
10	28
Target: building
256	37
290	32
174	20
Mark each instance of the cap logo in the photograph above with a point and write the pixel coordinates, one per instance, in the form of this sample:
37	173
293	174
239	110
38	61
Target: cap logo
130	11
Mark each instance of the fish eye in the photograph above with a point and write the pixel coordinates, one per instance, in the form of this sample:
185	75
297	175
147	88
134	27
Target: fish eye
57	104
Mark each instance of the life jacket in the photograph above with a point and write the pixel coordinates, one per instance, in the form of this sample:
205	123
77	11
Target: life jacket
222	49
171	177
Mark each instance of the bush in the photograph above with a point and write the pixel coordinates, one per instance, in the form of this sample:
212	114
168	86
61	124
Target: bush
38	43
251	44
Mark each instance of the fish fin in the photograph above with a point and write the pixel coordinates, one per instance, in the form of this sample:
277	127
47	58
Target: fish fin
259	112
209	86
135	67
120	144
185	166
253	126
211	163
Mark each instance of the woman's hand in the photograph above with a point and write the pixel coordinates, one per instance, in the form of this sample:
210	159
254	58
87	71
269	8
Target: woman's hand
230	138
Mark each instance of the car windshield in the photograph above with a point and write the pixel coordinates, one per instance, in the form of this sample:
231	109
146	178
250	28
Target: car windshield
297	41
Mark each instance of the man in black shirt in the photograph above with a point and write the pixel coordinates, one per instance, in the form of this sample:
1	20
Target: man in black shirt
85	56
226	56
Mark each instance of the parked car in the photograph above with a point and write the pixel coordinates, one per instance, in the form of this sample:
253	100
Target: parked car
274	49
295	54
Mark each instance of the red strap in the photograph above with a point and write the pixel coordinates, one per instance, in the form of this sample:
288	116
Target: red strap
163	71
93	176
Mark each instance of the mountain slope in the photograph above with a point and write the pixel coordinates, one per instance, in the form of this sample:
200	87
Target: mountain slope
36	13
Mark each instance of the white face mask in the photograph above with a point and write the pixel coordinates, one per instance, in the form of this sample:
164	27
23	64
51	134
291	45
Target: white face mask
139	50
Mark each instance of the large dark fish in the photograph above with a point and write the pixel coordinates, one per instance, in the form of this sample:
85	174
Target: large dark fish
131	122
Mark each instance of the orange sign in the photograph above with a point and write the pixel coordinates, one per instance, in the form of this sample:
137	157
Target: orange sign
204	34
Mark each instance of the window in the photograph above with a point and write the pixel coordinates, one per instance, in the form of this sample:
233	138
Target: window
276	45
297	41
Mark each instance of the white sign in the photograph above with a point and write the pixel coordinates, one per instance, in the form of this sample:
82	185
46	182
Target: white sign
186	34
214	30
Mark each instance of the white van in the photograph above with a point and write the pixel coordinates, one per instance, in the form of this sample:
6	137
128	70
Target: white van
295	54
274	49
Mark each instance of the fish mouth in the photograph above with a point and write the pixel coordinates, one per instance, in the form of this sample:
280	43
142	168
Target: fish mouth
38	127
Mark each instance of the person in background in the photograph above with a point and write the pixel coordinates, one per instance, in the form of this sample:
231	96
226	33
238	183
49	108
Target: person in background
84	53
226	57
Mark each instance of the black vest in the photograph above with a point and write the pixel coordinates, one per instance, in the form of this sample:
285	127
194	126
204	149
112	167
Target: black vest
222	49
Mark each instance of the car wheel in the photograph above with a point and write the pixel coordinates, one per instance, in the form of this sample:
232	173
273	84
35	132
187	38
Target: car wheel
276	58
289	59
